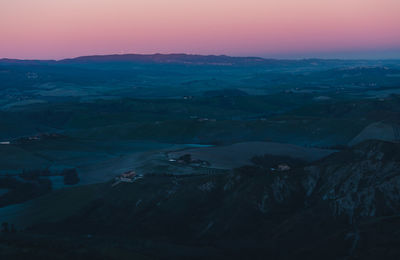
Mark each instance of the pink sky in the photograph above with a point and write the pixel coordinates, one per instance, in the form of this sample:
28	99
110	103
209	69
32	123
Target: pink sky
54	29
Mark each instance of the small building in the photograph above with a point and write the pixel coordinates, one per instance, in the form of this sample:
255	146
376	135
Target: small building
283	167
129	176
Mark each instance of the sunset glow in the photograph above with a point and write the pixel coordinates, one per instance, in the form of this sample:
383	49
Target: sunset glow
54	29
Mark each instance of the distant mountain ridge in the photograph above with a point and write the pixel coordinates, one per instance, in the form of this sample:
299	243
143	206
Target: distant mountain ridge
180	58
170	58
216	61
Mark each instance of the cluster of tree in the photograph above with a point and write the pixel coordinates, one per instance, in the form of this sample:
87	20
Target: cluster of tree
35	174
187	158
7	228
8	183
70	175
21	190
31	184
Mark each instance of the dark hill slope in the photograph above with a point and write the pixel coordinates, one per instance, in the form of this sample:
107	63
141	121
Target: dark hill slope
345	206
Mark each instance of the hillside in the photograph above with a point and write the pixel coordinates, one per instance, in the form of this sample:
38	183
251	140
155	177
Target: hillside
330	206
378	131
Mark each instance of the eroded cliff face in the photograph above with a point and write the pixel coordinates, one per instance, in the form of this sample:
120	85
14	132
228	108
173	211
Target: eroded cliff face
346	205
361	182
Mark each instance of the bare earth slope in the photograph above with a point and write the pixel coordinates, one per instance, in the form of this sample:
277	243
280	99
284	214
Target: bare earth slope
378	131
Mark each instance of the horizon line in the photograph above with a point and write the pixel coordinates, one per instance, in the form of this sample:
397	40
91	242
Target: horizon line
204	55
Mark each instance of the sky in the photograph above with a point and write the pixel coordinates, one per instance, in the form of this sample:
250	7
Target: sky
56	29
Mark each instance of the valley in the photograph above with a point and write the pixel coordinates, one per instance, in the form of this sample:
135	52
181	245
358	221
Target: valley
220	158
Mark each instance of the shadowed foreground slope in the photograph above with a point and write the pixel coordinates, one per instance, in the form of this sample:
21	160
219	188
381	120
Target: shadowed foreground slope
346	205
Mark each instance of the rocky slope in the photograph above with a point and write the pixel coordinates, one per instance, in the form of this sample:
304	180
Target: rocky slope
346	206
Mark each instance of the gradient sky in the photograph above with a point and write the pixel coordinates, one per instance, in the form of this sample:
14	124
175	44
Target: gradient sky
54	29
